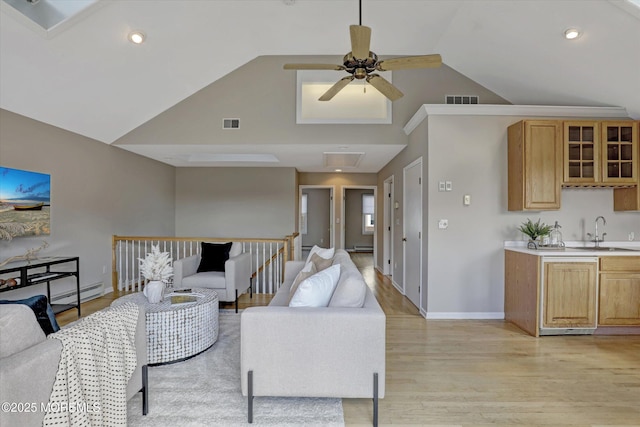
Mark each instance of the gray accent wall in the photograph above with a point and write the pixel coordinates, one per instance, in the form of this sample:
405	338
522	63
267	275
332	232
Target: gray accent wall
263	96
97	190
235	202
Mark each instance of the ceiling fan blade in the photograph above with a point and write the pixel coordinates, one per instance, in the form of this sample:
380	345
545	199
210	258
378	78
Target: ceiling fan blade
407	62
333	91
360	41
313	67
386	88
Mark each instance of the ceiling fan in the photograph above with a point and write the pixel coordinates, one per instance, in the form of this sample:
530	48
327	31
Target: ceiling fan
361	63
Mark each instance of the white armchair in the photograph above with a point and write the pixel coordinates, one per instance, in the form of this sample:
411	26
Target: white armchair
229	284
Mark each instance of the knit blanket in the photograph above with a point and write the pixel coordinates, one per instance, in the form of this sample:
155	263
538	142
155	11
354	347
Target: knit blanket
98	358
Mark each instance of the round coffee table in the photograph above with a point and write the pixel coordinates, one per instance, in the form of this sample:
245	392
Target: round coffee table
176	332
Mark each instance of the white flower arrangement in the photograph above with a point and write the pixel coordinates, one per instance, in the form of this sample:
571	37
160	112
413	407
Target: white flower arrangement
156	265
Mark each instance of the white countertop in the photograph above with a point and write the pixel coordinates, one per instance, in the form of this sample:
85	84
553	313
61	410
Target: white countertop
569	250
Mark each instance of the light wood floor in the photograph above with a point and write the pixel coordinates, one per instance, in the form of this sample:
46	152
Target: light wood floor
487	373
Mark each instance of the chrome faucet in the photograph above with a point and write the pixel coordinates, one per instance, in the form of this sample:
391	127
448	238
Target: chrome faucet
597	239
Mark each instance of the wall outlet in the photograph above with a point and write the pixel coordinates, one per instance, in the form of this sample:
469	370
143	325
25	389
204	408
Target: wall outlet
632	236
443	224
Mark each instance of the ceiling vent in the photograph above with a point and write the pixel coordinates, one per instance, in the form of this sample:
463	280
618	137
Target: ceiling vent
230	123
461	99
342	160
33	1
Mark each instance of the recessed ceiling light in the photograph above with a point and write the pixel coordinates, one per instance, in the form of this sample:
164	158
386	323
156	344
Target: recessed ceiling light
572	33
338	170
136	37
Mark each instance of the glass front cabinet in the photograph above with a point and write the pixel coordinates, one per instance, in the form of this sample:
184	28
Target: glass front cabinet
600	153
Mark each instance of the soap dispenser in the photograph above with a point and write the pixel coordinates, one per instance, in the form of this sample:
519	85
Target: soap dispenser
555	236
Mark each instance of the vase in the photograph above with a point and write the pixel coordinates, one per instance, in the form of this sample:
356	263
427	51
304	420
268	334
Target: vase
154	291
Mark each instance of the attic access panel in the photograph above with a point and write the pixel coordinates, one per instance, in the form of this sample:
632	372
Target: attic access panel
357	103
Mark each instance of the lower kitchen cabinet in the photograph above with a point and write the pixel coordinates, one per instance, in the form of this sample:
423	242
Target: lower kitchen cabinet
619	301
569	295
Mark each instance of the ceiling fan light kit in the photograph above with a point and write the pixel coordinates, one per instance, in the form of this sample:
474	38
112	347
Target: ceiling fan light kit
362	64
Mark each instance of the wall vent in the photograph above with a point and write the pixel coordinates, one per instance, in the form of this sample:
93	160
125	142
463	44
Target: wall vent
230	123
461	99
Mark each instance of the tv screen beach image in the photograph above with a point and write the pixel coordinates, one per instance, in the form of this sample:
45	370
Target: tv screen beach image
25	199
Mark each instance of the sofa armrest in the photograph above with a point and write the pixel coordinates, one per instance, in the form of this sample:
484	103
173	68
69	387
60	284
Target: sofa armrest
237	273
184	267
313	352
26	377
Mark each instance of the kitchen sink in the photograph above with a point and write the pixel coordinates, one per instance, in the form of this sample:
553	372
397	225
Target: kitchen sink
600	249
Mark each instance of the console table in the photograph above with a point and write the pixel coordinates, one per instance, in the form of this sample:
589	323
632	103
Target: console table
39	271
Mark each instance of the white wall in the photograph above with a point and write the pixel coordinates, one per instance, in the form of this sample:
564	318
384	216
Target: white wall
97	190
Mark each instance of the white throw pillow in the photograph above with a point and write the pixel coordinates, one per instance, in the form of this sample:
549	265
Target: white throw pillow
316	291
236	249
322	252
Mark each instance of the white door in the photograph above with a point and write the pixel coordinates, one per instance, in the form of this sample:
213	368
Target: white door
387	249
412	271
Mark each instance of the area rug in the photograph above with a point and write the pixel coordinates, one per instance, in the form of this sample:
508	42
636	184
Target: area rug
205	391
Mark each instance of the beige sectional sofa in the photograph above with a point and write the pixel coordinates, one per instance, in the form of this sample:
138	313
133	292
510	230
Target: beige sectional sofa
29	363
334	351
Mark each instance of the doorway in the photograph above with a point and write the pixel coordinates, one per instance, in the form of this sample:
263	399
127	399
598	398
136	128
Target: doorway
316	217
412	236
358	231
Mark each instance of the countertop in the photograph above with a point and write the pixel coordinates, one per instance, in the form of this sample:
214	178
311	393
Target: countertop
633	249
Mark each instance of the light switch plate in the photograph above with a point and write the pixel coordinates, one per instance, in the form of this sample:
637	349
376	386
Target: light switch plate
448	185
441	186
443	224
466	199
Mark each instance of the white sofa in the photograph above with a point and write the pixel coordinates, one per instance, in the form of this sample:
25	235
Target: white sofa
314	352
228	284
29	363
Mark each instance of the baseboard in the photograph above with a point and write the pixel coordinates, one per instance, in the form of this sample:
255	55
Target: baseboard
465	316
398	287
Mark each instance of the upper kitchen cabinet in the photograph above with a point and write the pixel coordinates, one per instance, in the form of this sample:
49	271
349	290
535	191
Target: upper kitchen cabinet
628	199
619	152
581	152
535	165
600	154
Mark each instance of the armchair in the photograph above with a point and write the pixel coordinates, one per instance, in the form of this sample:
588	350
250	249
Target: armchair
229	284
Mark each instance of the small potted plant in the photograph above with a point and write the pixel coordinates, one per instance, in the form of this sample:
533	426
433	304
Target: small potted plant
156	268
534	230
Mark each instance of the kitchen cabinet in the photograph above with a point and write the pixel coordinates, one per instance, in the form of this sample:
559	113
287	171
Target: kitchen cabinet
535	165
600	153
628	199
619	299
569	294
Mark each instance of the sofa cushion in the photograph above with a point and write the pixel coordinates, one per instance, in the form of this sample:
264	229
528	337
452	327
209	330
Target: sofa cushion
350	291
42	310
214	256
316	291
319	262
322	252
207	279
19	329
236	249
307	271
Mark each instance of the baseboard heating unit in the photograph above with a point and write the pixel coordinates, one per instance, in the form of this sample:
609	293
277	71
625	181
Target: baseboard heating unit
87	293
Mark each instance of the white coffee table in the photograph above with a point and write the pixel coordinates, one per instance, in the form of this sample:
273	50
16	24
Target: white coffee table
176	332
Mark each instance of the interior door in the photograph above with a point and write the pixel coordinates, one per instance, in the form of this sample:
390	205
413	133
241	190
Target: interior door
412	271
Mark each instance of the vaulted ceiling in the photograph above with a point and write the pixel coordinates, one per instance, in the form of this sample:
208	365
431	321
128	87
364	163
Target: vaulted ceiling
83	75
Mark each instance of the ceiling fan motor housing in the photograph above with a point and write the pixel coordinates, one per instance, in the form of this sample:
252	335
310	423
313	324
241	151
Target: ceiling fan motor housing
360	67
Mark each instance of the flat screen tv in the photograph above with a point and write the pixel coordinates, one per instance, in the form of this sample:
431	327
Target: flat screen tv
25	199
